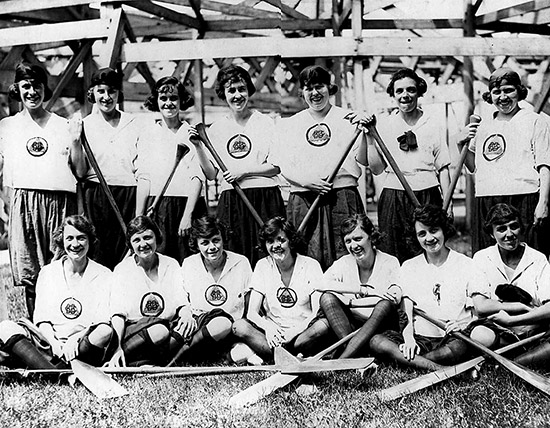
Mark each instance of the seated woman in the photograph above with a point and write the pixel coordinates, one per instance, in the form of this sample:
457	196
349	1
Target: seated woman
216	280
363	292
70	306
519	279
150	309
282	305
446	285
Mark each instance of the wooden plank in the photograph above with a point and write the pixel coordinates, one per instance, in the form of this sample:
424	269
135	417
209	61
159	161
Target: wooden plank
19	6
46	33
516	27
509	12
142	67
228	9
111	49
164	12
286	10
267	71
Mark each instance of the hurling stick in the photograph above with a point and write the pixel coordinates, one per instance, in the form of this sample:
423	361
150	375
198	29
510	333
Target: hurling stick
330	179
201	129
102	181
262	389
474	118
181	151
540	382
433	378
389	158
96	381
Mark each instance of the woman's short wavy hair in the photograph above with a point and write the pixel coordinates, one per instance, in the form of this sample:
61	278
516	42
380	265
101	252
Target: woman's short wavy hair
315	74
205	227
233	74
511	78
80	223
164	85
403	73
140	224
361	220
434	216
32	72
501	214
271	229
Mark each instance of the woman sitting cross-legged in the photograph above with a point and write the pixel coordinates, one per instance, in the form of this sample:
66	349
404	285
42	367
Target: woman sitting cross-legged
446	285
70	317
282	305
363	292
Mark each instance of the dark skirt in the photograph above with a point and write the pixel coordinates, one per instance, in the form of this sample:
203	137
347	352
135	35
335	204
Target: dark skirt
111	248
535	237
395	213
322	232
167	216
242	229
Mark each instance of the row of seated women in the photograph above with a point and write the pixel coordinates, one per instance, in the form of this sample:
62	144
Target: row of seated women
152	310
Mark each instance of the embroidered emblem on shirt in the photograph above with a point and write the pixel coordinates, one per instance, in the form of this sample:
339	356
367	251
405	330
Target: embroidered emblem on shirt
494	147
287	297
239	146
152	305
216	295
318	135
71	308
37	146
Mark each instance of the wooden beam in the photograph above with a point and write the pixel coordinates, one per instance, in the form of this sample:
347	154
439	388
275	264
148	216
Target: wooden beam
517	27
46	33
228	9
267	71
9	7
542	98
142	67
335	46
510	12
288	11
164	12
111	49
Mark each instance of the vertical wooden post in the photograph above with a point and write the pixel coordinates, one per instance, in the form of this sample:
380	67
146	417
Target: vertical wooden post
357	30
468	77
198	92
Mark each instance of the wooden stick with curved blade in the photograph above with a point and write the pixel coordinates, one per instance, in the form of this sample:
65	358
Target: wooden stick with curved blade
540	382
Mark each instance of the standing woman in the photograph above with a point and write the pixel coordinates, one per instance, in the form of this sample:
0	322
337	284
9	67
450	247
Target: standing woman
41	156
71	315
416	141
510	155
157	150
282	305
244	139
363	291
310	145
112	135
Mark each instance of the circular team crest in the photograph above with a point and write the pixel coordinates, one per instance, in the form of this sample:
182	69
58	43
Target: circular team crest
71	308
494	147
239	146
287	297
37	146
318	135
216	295
152	305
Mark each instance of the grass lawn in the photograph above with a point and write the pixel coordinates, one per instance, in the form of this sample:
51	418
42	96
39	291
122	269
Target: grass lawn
498	399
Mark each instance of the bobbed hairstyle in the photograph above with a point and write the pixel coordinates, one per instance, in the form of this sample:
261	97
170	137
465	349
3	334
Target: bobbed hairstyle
32	72
403	73
361	220
511	78
271	229
205	227
167	84
501	214
80	223
105	76
434	216
233	74
315	74
139	224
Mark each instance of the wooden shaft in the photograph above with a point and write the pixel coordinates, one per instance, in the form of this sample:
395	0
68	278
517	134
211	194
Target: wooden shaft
102	181
330	179
201	129
408	190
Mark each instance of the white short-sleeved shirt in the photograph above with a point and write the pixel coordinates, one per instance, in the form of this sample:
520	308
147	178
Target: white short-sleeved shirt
134	295
227	293
115	149
157	147
420	166
244	147
71	309
36	157
309	147
444	292
288	307
509	153
344	275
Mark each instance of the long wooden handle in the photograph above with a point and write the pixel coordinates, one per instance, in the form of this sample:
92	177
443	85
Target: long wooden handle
408	190
474	118
201	129
330	179
540	382
102	182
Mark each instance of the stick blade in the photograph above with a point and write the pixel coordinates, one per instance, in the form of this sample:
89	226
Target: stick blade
540	382
97	382
328	366
261	389
283	357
